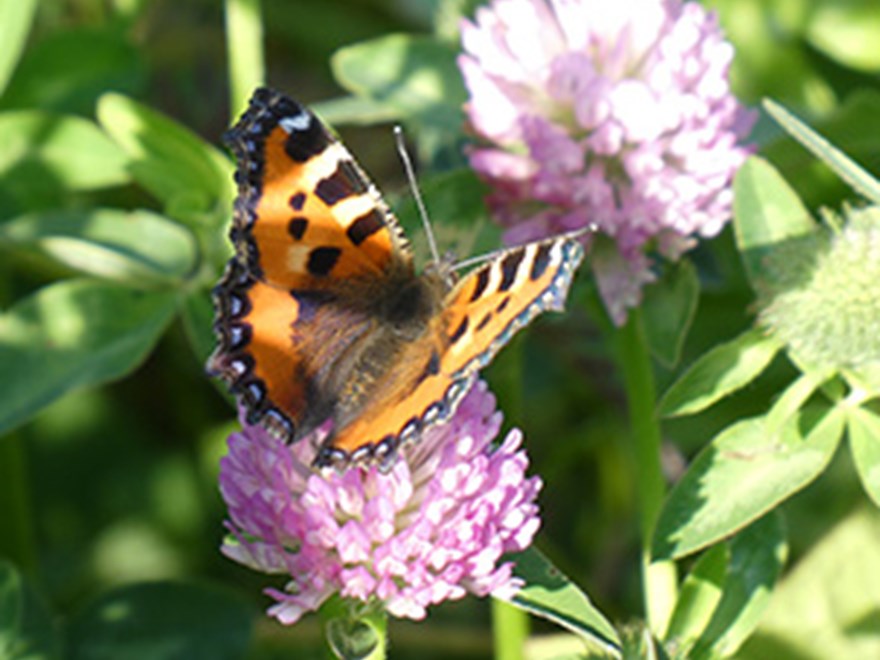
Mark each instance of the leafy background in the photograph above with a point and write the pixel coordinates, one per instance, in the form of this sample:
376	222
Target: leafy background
114	195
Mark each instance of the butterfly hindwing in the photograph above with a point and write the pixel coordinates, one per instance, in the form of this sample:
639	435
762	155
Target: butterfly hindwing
306	215
279	350
424	385
499	298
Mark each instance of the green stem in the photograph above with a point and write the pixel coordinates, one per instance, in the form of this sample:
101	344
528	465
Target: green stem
659	578
510	629
244	45
378	621
354	630
17	539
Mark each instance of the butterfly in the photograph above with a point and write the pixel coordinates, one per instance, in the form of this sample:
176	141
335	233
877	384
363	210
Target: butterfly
321	314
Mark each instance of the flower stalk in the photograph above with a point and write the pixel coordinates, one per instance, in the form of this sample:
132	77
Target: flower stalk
17	543
659	579
510	629
244	47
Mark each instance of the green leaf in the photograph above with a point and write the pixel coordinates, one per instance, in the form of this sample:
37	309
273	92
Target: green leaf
769	57
244	46
170	161
356	110
847	31
162	620
551	595
793	398
828	606
43	152
669	306
863	428
10	606
74	333
16	17
67	71
27	631
761	468
139	248
455	200
720	372
699	595
847	169
416	76
198	318
766	212
815	182
757	555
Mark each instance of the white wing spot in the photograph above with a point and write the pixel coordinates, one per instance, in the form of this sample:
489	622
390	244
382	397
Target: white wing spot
295	123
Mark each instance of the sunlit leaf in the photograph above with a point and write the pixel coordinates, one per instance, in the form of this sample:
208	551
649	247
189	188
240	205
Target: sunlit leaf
829	605
845	167
44	152
793	398
168	159
863	428
550	594
71	334
757	555
138	247
770	57
815	182
15	23
766	212
417	76
742	474
354	110
847	31
67	71
720	372
699	594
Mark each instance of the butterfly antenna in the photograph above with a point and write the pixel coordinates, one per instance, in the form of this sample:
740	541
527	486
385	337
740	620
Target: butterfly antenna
417	195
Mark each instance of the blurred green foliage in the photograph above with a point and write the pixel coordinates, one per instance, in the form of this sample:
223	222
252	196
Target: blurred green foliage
110	116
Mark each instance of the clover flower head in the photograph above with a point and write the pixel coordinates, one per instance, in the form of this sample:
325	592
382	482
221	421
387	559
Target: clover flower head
432	528
615	115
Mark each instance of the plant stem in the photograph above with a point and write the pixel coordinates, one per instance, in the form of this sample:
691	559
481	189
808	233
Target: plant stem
510	629
355	631
244	46
659	580
378	621
17	541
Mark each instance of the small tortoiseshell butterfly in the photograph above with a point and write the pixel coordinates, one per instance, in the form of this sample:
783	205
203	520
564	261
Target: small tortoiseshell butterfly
321	314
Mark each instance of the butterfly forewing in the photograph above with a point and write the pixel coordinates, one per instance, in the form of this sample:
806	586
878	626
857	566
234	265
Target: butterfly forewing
306	214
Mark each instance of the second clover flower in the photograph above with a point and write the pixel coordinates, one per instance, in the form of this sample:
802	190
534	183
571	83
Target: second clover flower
617	114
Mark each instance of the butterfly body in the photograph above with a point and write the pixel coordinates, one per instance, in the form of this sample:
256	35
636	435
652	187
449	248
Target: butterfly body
321	314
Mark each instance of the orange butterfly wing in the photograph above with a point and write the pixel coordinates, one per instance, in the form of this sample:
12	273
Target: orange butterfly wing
307	223
479	316
306	215
273	346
